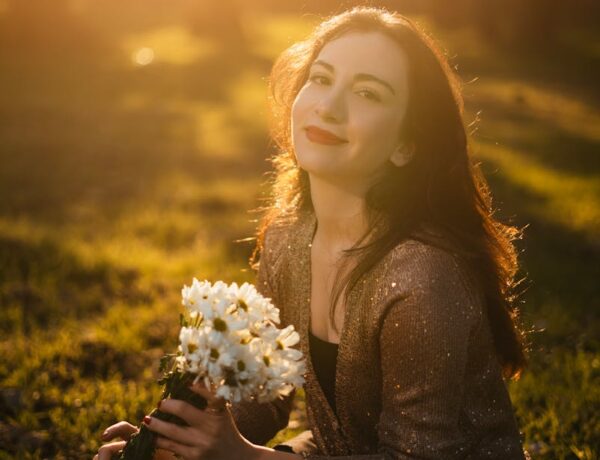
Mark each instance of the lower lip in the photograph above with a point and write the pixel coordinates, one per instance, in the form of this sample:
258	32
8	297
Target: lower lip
318	138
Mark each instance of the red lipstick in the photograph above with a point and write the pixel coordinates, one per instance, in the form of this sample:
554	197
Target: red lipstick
321	136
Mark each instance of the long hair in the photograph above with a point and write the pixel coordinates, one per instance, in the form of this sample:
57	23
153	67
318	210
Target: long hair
440	188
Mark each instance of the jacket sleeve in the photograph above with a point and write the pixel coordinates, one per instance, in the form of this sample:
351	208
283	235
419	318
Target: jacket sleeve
424	349
260	422
424	334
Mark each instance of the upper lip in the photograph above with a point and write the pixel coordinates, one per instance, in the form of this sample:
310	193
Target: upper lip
325	133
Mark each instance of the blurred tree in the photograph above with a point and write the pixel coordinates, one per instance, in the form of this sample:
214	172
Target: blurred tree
526	24
220	20
47	27
530	25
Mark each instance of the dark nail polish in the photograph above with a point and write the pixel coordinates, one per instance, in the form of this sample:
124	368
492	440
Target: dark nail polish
147	420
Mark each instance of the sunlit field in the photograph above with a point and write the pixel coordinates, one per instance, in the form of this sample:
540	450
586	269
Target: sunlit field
133	149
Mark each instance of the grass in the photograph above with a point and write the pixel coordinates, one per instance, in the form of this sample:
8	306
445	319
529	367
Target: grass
121	181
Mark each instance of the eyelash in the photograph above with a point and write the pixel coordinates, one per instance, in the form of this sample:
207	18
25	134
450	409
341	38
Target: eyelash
373	96
316	77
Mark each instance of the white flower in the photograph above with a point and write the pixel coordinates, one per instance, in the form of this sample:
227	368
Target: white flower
255	305
222	318
198	297
236	347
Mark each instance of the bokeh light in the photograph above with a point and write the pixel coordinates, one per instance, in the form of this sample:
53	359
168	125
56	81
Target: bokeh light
143	56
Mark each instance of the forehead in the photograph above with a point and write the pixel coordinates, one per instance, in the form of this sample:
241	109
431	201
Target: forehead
369	52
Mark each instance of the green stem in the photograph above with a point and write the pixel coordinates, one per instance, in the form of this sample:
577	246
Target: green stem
141	446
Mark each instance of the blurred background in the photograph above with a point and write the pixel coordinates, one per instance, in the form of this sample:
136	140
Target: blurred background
133	143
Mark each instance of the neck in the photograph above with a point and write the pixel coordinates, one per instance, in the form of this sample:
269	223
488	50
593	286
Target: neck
340	211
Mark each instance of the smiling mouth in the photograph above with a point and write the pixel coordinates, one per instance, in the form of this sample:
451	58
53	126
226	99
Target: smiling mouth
321	136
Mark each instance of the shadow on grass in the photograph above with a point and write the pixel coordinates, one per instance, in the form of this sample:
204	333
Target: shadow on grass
545	141
563	68
561	292
42	284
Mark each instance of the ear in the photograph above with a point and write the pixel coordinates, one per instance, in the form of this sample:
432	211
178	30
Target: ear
403	154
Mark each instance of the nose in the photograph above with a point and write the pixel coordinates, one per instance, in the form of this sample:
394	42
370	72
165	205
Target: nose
331	107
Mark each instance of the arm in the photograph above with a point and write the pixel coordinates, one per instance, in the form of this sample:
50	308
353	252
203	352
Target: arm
259	423
424	345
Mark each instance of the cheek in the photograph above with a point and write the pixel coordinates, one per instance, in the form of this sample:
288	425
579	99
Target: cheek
297	121
376	131
377	135
301	103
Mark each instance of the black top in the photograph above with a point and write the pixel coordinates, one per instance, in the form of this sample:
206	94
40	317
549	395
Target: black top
324	356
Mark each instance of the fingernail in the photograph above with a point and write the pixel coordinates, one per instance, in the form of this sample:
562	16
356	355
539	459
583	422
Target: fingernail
159	403
147	420
105	434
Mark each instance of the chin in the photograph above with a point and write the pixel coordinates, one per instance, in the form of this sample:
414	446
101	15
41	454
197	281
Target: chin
314	165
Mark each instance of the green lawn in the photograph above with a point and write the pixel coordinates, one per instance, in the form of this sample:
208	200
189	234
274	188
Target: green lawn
120	182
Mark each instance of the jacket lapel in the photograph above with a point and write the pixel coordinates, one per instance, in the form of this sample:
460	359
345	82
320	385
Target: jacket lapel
319	411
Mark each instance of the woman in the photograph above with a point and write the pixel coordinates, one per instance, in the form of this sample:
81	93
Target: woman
381	248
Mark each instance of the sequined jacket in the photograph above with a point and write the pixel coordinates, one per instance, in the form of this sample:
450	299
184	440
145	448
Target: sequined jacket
416	374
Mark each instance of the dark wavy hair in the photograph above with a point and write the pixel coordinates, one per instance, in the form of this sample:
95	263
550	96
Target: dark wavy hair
441	187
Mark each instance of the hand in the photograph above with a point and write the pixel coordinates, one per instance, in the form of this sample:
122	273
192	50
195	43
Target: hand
211	432
123	430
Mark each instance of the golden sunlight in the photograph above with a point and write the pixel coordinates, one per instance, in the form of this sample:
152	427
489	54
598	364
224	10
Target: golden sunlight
171	45
143	56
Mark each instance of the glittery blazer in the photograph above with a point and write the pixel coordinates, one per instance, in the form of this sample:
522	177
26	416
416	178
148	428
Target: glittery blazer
416	373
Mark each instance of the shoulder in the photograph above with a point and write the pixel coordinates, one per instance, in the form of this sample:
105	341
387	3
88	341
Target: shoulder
278	237
421	259
281	242
288	233
426	280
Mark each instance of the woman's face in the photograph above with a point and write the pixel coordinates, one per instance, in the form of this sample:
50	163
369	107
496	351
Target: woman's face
357	91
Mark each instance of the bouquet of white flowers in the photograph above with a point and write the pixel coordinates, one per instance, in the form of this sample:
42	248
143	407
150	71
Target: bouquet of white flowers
228	339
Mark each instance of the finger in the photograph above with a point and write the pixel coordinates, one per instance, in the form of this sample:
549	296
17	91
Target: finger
208	394
122	429
105	452
214	402
190	414
177	448
180	434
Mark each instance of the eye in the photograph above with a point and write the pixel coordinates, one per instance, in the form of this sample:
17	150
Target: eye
368	94
319	79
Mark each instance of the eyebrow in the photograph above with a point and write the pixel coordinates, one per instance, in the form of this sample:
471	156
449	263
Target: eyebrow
358	76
